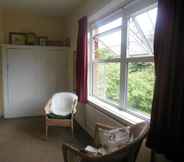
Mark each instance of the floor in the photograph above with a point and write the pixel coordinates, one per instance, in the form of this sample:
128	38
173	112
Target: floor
22	140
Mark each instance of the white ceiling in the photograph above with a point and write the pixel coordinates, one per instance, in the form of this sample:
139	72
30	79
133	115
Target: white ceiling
46	7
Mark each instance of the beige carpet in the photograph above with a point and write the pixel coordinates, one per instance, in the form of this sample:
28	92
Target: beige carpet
22	140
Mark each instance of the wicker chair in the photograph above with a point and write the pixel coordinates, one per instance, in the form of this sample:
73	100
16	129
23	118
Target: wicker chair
127	153
64	103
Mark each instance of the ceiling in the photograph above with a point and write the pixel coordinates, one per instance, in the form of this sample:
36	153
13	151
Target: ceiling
46	7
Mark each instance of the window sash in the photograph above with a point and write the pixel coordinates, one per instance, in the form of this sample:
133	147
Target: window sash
108	31
107	60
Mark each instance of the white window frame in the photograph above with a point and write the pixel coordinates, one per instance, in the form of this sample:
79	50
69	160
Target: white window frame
125	13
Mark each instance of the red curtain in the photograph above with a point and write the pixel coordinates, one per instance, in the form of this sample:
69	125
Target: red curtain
82	61
166	134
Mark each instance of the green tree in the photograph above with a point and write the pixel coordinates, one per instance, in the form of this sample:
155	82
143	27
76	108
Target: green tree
103	53
140	86
113	81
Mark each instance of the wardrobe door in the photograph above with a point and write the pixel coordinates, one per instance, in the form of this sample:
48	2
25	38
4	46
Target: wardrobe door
23	77
53	73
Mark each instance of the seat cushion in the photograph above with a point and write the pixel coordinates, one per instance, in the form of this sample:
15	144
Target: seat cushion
54	116
114	139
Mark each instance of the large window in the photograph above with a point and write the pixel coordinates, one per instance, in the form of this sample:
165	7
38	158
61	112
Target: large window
121	68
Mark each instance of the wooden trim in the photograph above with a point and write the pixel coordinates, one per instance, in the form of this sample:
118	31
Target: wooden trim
5	81
59	122
13	46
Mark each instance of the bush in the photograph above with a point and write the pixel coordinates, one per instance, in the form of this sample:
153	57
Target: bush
140	82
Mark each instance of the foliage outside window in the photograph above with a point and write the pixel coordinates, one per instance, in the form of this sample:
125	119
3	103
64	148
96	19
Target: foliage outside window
123	75
140	85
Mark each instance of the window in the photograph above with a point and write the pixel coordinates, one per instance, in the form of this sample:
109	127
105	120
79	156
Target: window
106	61
121	68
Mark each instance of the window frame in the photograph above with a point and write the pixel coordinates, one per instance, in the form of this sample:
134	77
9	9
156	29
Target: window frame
125	14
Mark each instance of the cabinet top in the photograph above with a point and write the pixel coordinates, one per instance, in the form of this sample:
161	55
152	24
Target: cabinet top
31	47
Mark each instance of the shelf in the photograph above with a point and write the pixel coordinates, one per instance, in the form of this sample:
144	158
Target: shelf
10	46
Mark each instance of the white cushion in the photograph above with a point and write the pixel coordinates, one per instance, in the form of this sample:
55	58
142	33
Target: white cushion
95	151
114	139
63	103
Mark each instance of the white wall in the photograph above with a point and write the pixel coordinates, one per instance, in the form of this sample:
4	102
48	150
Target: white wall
23	21
93	116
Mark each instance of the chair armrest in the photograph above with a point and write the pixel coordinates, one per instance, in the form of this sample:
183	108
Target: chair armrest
104	126
67	147
81	153
47	107
78	152
74	107
92	158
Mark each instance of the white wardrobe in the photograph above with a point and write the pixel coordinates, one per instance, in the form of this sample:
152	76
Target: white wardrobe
31	75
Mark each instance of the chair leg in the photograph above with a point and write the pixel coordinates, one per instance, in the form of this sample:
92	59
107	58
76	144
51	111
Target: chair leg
46	131
72	127
46	128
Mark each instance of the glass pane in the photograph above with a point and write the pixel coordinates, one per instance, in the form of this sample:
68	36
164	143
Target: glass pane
105	48
106	81
141	33
113	24
147	22
140	86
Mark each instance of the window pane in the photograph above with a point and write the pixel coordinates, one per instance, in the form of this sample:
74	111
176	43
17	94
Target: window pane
147	22
140	86
106	81
105	48
141	33
113	24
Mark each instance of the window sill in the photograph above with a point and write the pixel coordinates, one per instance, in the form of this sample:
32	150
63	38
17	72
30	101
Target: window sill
119	115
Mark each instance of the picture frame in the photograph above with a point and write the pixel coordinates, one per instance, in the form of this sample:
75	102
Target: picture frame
17	38
42	40
31	39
